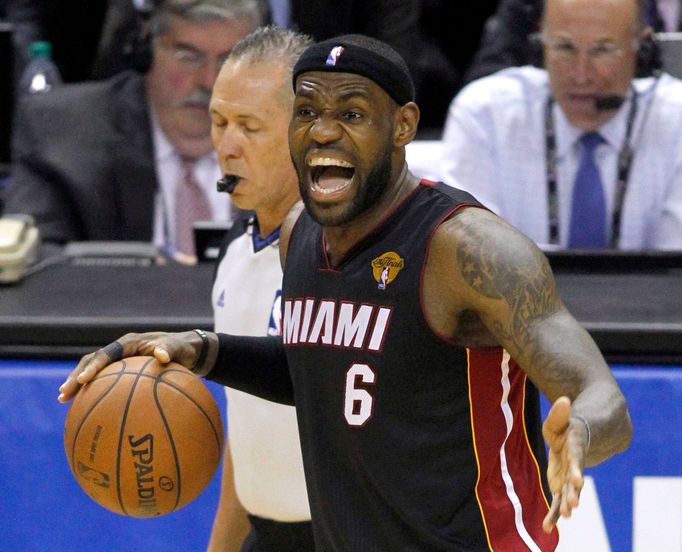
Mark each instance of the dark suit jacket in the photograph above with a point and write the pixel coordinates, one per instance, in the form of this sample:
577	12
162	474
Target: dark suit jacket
84	161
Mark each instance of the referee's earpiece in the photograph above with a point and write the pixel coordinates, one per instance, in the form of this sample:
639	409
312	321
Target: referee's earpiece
138	48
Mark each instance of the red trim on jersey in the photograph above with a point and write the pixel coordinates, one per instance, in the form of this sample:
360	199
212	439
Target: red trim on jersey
508	489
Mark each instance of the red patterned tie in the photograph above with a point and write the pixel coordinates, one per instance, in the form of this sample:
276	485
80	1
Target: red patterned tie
191	205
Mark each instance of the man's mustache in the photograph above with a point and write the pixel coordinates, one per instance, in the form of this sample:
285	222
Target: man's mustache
198	97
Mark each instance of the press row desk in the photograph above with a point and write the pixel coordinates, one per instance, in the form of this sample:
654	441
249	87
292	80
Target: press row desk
53	316
66	310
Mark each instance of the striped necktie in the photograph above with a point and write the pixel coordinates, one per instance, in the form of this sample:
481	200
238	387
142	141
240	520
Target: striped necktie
191	205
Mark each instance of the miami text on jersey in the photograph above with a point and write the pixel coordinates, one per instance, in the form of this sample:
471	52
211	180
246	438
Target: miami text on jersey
335	323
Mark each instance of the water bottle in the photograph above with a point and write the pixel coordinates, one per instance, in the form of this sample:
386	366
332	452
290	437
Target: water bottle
41	74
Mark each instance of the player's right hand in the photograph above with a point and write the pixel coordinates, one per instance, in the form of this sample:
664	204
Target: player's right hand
181	347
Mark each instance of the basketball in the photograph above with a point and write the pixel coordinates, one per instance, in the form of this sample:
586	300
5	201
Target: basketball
143	439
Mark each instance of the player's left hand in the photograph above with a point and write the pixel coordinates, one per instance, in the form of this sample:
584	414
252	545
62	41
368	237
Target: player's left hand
567	440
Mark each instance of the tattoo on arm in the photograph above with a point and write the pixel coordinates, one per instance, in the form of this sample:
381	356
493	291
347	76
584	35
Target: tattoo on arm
516	275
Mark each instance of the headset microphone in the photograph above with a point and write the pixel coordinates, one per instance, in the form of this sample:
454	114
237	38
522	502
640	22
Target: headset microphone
227	184
608	103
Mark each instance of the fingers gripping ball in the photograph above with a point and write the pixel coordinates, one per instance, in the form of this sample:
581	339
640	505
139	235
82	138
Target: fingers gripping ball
143	439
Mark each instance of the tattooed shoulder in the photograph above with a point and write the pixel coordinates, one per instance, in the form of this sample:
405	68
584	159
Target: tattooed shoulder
498	262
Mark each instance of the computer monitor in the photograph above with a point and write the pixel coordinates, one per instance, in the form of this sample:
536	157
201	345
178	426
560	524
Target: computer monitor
613	260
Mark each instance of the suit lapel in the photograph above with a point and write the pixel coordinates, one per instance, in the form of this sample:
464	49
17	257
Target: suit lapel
133	159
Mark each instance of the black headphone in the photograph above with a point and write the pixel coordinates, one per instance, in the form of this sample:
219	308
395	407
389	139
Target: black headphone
649	61
137	48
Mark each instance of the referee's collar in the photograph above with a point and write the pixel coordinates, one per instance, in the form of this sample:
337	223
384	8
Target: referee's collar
260	243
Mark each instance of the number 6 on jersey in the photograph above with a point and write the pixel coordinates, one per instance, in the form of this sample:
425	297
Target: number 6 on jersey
359	403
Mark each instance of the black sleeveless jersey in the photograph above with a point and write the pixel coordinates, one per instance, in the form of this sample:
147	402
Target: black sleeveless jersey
409	442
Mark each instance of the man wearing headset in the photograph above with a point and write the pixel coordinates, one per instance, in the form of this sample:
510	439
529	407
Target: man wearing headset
105	160
581	154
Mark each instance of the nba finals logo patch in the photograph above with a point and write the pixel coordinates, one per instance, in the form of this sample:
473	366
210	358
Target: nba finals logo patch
334	54
386	267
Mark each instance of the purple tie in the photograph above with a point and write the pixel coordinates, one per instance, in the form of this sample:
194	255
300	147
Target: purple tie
588	211
191	205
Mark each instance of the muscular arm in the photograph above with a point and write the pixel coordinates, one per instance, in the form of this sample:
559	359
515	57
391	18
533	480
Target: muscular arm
501	277
506	280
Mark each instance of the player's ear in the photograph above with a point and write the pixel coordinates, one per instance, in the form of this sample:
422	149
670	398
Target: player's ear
407	121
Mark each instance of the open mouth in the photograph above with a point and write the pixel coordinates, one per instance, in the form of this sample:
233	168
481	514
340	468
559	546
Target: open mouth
329	175
581	98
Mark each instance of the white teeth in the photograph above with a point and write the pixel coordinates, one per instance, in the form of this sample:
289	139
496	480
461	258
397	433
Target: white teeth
328	162
315	188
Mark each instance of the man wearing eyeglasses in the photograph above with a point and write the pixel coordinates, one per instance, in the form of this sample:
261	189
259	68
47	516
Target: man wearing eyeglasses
130	158
580	154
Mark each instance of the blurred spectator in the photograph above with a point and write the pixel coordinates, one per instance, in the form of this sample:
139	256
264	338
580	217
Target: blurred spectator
393	21
506	43
106	160
93	39
581	155
396	22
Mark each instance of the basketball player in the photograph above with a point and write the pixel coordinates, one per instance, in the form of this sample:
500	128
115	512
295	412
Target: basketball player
250	111
416	393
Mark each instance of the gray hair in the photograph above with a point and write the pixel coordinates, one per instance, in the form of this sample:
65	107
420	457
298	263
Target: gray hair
271	43
204	10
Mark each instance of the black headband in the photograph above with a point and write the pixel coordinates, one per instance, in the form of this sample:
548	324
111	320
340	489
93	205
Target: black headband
360	55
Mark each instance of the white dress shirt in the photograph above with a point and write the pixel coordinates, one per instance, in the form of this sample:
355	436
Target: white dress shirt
168	170
494	147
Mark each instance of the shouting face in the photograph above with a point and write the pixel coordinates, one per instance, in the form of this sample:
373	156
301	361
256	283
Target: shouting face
341	140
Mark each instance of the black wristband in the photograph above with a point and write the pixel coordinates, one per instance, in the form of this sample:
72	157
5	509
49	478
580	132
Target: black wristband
114	351
204	351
